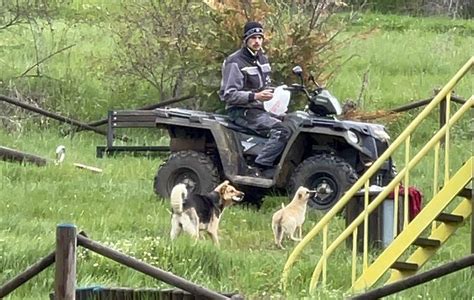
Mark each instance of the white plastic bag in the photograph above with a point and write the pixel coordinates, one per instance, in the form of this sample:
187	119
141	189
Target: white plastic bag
278	105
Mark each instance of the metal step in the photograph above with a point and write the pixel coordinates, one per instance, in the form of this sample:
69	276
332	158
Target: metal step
449	218
466	193
427	243
404	266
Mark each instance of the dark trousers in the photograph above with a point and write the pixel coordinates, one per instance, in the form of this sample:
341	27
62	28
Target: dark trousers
266	125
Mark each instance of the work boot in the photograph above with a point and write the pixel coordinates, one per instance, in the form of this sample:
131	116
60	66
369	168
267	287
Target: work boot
261	171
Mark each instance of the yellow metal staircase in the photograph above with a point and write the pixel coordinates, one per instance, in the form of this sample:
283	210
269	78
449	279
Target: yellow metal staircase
426	247
441	216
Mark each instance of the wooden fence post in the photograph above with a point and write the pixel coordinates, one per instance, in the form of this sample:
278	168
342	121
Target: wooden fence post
65	280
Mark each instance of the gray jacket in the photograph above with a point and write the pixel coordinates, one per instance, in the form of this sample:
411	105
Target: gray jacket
244	74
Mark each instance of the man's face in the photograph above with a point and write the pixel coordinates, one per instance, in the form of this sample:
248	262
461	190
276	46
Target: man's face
255	42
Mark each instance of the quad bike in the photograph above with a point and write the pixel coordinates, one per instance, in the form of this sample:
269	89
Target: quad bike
323	153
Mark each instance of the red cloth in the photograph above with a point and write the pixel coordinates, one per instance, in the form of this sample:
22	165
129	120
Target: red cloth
415	200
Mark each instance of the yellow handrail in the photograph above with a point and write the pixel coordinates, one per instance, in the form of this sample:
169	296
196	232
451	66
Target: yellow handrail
407	183
366	226
435	175
373	205
446	141
369	173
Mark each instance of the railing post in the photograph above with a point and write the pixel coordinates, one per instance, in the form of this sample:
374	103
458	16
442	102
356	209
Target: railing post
442	116
110	129
65	279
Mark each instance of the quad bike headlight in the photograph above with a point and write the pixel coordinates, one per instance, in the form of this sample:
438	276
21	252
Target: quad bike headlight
353	137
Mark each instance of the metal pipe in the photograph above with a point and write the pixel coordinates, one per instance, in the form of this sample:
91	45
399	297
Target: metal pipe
147	107
406	183
354	256
365	261
447	139
418	279
423	102
55	116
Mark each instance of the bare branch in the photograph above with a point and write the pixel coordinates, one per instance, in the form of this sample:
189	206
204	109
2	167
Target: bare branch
316	14
45	59
363	86
330	75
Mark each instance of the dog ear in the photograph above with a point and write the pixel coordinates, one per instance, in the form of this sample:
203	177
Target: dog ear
300	195
224	187
223	184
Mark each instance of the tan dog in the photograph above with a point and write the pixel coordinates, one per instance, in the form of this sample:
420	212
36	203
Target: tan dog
193	212
289	218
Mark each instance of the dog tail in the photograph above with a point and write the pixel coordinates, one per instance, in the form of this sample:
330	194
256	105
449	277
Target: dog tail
178	194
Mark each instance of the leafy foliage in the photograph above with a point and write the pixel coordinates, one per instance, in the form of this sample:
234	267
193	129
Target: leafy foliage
68	60
22	11
179	46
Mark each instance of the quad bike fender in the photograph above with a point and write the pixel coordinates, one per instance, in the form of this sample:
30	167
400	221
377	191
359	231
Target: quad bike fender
297	147
199	133
343	134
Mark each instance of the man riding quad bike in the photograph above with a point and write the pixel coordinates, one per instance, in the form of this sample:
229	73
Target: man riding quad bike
323	153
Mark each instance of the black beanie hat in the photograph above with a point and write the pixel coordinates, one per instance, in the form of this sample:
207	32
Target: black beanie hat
252	28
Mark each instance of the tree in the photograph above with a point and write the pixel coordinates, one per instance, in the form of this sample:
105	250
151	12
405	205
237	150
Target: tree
179	46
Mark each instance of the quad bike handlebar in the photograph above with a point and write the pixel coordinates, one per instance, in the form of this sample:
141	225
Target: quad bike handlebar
321	101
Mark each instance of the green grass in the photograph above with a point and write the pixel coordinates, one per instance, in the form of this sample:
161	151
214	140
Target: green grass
402	67
118	207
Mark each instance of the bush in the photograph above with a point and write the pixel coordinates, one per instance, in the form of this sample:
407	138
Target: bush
178	47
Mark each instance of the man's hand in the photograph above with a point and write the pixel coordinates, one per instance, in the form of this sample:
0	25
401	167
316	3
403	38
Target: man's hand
264	95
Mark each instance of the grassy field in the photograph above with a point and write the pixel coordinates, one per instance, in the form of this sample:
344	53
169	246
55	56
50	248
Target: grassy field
118	207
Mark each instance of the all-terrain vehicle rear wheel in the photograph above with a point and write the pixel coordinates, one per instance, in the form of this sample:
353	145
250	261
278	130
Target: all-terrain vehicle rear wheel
329	175
192	168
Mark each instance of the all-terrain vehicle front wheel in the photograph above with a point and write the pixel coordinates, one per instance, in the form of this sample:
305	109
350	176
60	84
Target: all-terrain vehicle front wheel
329	175
192	168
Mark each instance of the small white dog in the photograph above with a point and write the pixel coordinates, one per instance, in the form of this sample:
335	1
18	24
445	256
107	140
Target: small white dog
290	217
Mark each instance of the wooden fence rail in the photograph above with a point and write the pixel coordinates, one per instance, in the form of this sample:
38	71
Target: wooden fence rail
65	256
29	273
148	269
8	154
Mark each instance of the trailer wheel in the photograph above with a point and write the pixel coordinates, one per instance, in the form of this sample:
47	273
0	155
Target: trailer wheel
329	175
192	168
